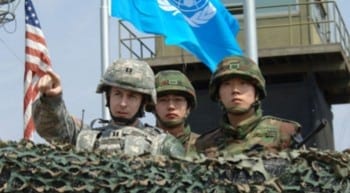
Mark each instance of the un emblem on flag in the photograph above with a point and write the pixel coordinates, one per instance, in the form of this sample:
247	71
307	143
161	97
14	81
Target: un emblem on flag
196	12
186	6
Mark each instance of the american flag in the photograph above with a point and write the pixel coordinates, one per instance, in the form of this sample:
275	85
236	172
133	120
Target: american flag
37	61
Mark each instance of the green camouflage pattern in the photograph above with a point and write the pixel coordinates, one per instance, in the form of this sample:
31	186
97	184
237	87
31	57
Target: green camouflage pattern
170	81
129	74
188	138
237	66
54	124
175	82
28	168
254	134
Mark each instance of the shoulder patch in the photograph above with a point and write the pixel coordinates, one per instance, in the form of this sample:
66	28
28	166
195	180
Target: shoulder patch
282	122
287	129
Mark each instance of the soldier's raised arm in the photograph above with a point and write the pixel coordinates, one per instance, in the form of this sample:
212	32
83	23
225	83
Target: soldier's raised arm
127	85
50	84
51	118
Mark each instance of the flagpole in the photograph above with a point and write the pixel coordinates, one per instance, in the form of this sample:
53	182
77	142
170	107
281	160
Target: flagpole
250	30
104	47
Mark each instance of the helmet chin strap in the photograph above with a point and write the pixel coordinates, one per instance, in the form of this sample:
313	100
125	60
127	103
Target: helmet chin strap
239	110
127	121
171	124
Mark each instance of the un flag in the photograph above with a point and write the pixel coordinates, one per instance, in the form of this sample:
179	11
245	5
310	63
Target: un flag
202	27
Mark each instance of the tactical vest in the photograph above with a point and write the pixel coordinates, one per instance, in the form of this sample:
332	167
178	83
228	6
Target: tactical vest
128	140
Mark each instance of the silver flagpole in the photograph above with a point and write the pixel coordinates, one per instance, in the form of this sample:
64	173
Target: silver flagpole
104	47
250	30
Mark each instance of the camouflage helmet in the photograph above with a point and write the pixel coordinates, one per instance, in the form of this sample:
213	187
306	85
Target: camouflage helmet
175	81
134	75
237	66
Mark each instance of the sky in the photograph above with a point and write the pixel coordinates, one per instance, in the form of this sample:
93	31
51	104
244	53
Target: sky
72	32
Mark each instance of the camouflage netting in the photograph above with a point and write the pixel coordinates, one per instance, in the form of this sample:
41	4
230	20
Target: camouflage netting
27	167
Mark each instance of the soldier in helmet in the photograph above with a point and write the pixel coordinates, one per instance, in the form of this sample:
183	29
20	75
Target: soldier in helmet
238	86
176	98
128	86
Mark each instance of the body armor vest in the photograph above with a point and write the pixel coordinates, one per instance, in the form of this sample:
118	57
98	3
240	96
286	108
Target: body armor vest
128	140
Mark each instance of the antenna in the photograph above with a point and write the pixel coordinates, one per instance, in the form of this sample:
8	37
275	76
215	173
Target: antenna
82	119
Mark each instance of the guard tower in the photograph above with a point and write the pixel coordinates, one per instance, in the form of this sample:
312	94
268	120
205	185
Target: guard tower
303	50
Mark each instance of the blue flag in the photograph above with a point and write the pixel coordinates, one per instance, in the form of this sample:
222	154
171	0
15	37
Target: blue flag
202	27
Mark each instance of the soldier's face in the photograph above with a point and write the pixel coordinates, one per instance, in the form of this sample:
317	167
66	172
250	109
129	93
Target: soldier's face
124	103
172	108
237	92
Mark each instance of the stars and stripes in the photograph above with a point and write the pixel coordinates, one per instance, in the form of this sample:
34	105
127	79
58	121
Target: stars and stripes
37	61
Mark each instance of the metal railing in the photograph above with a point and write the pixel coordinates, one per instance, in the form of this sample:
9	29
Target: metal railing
133	45
329	25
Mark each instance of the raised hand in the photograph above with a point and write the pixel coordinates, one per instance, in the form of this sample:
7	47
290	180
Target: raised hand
50	84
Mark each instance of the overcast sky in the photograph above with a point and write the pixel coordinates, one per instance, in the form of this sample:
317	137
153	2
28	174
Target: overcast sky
72	31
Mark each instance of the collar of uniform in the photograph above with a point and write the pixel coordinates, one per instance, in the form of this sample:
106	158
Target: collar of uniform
242	128
184	137
139	125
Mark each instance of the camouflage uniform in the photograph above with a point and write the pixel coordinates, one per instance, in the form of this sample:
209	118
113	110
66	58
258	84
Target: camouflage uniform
188	138
54	123
175	82
257	132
